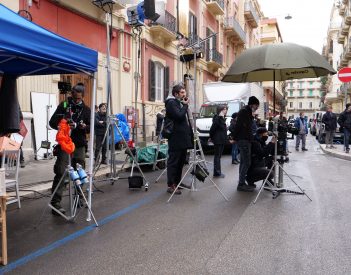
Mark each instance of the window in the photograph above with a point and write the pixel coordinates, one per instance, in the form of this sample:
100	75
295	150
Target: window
192	24
159	78
158	81
291	104
300	105
291	85
291	93
311	83
310	105
310	92
301	93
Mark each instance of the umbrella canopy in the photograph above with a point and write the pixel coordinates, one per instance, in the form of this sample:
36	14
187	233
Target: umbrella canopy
277	62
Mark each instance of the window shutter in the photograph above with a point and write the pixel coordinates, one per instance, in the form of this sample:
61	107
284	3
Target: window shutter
208	33
152	81
166	83
195	24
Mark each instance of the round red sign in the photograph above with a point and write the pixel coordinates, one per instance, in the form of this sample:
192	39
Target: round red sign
344	74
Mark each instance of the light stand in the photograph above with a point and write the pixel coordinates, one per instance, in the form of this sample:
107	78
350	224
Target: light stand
137	30
276	188
196	162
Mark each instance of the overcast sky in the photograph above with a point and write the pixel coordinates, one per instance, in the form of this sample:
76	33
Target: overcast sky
309	23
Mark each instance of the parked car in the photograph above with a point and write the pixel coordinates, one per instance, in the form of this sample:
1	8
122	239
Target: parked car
338	137
312	126
318	118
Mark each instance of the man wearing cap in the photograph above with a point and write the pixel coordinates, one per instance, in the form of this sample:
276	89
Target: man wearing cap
78	116
243	136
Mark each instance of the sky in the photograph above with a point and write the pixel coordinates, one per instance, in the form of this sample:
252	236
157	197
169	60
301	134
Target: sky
309	23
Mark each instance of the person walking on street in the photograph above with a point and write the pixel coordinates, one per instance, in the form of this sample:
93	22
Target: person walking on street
100	130
329	120
345	122
301	124
181	138
235	150
159	120
243	135
78	116
218	135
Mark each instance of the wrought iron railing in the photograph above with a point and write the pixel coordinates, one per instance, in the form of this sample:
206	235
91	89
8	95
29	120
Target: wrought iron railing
170	22
194	38
249	7
231	22
219	2
214	55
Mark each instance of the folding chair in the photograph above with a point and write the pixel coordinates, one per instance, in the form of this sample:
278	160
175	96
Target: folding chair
11	163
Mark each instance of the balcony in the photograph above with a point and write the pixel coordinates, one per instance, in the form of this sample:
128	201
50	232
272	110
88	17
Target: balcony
347	50
347	18
194	38
251	14
342	10
214	59
344	27
343	60
341	38
233	29
167	30
216	7
345	1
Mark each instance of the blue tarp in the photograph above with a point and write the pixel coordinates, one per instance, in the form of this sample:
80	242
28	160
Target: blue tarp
123	127
29	49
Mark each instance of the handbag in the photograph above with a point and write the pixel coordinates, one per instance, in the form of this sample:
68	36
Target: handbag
167	130
200	172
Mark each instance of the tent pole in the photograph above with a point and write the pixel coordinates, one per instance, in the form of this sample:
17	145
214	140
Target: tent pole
273	93
91	146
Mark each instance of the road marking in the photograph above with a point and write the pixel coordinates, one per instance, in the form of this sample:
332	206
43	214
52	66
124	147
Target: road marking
79	233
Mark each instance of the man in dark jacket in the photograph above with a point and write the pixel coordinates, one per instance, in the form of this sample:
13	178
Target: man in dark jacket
218	135
242	134
78	115
235	151
329	121
345	122
182	136
159	120
260	153
100	130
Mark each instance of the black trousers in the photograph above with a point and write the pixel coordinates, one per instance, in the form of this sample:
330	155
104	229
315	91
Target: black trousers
257	174
98	144
218	150
175	163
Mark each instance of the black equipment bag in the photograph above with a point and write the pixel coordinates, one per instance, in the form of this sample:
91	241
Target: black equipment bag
200	172
135	181
167	130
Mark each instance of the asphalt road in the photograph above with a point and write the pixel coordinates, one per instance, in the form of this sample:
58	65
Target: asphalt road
197	232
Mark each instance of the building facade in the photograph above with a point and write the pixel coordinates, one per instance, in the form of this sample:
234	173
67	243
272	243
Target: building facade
304	95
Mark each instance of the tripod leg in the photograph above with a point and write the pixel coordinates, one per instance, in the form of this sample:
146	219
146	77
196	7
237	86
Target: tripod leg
220	191
187	171
158	178
295	183
84	198
264	182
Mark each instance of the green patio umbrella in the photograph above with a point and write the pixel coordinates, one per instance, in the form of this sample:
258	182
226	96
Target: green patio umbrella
277	62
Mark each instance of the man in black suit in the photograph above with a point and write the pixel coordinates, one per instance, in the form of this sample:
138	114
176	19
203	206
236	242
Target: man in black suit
182	136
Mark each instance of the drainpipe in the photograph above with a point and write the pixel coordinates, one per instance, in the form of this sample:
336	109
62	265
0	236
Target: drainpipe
142	78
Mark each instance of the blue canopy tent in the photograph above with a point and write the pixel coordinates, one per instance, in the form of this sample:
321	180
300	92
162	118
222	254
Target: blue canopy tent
28	49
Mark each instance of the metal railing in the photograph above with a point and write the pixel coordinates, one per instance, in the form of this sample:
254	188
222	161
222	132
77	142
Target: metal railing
231	22
249	7
194	38
219	2
214	55
170	22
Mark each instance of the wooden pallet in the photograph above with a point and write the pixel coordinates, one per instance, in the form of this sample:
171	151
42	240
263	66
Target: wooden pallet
3	257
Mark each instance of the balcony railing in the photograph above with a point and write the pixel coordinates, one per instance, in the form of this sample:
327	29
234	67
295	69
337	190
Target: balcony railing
216	7
341	38
233	28
344	27
214	58
167	29
194	38
251	14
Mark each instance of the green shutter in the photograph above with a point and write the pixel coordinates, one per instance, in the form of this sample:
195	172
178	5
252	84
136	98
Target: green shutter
152	83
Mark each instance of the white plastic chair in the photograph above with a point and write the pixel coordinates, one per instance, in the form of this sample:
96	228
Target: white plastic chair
11	163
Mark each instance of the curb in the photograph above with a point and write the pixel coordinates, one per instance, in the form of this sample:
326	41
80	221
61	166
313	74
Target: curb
339	155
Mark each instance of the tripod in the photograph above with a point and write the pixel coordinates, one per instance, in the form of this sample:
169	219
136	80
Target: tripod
277	188
113	122
74	181
196	162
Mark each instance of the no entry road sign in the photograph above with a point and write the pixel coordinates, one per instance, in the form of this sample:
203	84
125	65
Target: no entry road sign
344	74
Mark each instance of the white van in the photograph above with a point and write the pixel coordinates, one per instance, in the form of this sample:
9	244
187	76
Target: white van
233	95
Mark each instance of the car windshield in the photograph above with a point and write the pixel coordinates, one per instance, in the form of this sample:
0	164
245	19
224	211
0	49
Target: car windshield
209	110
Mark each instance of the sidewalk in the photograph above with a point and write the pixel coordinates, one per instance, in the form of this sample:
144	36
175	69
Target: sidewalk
37	175
338	152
